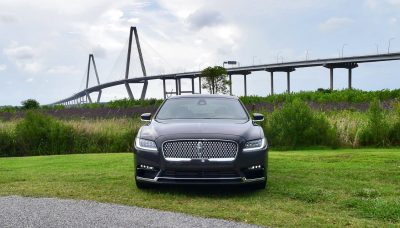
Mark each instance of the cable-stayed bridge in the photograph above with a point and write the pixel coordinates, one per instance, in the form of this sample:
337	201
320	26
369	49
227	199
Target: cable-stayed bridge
84	96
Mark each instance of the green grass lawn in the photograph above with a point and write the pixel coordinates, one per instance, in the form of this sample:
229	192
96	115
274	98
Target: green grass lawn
308	188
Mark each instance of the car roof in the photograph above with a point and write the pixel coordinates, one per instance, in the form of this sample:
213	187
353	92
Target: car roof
203	96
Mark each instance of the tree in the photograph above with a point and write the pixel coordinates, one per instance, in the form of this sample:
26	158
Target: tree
215	80
30	104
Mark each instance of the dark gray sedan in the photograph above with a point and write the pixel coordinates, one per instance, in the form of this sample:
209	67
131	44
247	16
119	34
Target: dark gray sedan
201	139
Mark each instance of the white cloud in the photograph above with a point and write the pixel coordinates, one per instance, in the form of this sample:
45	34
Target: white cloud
99	51
24	57
204	18
32	67
372	4
3	67
19	52
393	21
69	70
394	2
335	23
8	18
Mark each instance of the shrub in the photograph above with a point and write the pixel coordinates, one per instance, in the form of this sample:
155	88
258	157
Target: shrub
376	133
296	125
38	134
348	125
126	103
7	144
30	104
394	133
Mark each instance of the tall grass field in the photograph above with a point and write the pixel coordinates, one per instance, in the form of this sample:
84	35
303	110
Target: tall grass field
38	134
293	126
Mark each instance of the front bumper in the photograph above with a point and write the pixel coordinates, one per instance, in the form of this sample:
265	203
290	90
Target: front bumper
248	167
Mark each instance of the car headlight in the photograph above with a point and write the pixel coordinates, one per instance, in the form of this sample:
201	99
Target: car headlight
145	144
255	144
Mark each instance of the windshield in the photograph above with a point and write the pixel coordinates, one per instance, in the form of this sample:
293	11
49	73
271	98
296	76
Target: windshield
202	108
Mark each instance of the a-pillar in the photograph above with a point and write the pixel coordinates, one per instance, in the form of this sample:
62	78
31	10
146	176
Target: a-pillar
164	89
331	78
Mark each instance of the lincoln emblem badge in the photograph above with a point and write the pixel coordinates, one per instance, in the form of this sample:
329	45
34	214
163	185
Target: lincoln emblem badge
199	149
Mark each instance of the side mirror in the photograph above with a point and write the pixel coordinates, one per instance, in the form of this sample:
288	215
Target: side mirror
257	117
145	117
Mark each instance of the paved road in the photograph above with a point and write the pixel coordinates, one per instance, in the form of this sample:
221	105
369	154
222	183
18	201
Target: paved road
18	211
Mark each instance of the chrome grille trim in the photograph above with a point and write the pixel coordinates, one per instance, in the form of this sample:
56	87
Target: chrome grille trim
217	150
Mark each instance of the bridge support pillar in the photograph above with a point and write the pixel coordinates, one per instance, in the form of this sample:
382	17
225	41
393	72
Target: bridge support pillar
230	84
99	96
144	90
348	65
128	89
193	85
88	97
288	81
199	84
179	86
176	86
245	84
164	89
272	83
350	69
350	78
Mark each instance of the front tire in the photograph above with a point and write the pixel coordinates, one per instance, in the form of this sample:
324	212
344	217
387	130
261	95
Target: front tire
142	185
259	185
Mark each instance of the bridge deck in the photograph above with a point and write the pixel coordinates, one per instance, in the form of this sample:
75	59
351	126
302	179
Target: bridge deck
243	70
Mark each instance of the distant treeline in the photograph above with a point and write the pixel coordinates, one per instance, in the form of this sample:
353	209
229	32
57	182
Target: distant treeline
321	96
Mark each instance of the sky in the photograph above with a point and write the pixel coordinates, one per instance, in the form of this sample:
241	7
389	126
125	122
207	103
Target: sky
44	44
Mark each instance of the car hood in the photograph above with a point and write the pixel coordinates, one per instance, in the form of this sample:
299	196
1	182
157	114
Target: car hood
204	128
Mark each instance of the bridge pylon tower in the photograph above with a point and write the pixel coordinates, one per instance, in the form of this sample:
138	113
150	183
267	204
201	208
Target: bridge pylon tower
133	32
90	62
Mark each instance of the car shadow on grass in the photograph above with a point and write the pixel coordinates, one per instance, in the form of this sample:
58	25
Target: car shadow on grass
206	190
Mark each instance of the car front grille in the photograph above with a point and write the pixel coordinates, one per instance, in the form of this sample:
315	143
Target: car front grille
223	150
